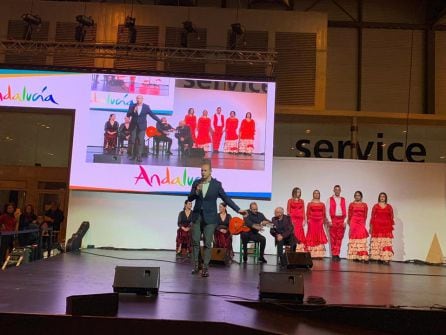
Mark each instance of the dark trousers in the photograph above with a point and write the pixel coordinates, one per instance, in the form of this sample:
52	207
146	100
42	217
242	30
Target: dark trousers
207	229
288	241
136	142
255	237
162	138
184	145
6	245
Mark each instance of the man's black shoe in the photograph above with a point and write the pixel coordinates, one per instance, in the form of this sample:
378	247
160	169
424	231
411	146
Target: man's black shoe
262	259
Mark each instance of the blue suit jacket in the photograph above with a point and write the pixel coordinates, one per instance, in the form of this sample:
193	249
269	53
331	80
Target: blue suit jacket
140	121
208	204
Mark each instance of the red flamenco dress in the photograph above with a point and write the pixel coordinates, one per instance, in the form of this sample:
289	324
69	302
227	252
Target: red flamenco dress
296	210
357	244
231	137
381	231
316	237
204	133
247	132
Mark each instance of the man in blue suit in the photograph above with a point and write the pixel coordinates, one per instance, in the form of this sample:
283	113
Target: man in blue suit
138	124
205	192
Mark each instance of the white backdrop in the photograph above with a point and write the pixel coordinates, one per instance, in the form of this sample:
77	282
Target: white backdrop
417	193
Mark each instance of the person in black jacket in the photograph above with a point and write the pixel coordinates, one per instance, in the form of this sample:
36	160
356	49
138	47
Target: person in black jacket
283	232
256	221
205	192
138	124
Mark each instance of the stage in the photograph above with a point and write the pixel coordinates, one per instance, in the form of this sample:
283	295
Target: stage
230	294
219	160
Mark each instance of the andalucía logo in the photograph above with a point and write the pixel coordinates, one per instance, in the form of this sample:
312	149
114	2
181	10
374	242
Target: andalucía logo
167	179
25	95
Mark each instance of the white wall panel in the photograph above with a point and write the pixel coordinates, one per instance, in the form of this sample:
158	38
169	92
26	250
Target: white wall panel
417	193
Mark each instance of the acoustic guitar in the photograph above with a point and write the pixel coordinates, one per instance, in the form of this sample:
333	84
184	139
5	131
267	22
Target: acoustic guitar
237	226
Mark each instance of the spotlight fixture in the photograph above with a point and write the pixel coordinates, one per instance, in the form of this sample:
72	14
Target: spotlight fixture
188	28
130	25
84	20
236	30
129	22
80	30
31	20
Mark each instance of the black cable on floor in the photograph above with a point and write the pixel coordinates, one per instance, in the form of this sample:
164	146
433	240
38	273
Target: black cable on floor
270	265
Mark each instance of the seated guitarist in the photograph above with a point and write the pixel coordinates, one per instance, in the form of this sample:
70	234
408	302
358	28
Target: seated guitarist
254	220
283	232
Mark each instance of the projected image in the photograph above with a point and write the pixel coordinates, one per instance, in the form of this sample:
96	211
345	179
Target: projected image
158	121
149	134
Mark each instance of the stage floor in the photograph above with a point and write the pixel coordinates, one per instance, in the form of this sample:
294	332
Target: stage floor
42	287
219	160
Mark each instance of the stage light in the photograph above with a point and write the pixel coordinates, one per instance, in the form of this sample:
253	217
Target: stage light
188	28
31	20
236	30
130	25
80	30
84	20
129	22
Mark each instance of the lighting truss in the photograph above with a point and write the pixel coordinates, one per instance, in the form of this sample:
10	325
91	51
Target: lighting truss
138	52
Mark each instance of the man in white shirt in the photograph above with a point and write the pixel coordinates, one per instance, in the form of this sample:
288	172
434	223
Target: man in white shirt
218	124
336	215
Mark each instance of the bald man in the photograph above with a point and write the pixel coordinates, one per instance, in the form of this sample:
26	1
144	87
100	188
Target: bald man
283	232
138	124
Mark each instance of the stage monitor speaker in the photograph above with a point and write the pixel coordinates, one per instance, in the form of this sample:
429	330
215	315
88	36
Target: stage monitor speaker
282	286
106	158
196	152
139	280
105	304
298	260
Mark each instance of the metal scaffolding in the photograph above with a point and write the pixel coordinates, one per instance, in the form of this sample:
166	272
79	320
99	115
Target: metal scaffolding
139	52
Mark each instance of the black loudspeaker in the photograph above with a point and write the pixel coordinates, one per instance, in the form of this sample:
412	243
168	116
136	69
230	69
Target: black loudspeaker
93	304
282	286
139	280
196	152
75	242
105	158
298	260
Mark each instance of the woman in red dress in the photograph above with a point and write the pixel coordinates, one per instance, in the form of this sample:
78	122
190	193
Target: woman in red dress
111	133
296	210
231	137
191	120
357	216
204	132
381	230
316	237
222	236
184	234
247	132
